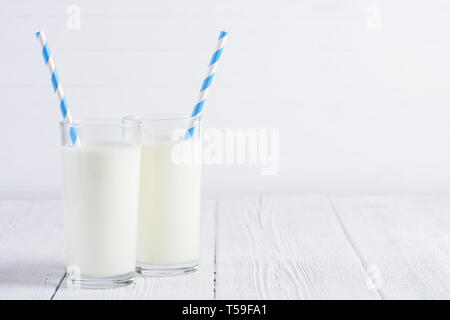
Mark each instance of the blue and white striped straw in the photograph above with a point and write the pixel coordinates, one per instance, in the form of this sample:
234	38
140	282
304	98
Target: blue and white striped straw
208	80
57	87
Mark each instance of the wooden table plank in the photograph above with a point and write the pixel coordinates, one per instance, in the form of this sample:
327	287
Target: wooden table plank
199	285
404	240
31	249
289	247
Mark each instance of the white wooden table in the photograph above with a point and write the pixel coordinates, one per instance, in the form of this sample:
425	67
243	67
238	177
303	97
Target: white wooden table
281	247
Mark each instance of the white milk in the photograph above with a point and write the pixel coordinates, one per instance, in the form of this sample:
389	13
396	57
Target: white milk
101	188
169	207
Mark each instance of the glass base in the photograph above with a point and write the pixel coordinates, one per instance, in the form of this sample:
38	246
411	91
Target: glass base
86	282
154	270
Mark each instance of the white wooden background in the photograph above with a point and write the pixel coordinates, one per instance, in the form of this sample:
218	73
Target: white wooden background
362	82
280	247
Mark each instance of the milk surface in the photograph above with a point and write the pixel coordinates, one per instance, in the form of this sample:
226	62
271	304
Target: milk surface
169	206
101	189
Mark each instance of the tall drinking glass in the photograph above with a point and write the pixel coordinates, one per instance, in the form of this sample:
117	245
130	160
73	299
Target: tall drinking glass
169	204
101	194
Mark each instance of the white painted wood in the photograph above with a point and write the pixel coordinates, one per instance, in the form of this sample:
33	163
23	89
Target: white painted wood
199	285
139	56
293	247
31	249
406	240
285	248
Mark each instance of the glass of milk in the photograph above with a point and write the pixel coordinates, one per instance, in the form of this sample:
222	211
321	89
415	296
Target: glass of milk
101	197
169	201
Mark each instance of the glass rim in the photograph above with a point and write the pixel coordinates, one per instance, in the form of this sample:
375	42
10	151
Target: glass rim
156	117
101	122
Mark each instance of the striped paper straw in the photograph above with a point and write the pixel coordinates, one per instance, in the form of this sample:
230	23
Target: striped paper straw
208	80
57	87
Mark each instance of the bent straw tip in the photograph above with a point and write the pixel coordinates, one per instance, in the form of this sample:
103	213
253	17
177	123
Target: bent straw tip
222	34
37	34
